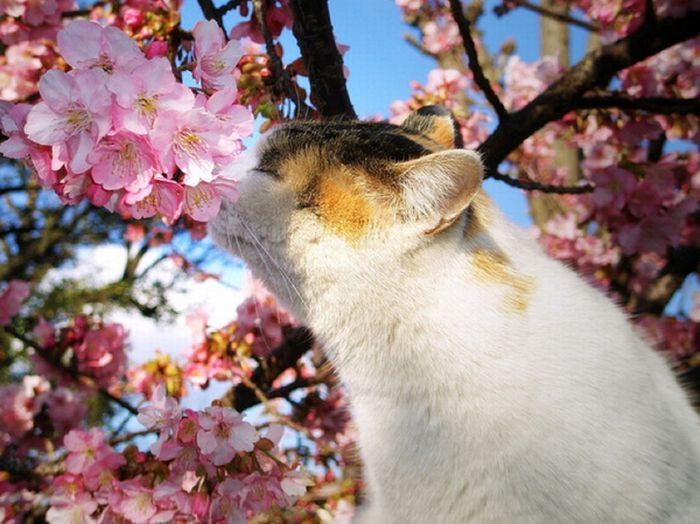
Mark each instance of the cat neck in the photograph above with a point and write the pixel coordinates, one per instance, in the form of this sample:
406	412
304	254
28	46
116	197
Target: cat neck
383	329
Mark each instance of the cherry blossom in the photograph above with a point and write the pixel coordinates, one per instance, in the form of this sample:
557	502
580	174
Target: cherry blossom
216	59
223	433
72	117
87	45
11	299
141	93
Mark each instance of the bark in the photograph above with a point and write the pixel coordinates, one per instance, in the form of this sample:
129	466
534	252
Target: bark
314	34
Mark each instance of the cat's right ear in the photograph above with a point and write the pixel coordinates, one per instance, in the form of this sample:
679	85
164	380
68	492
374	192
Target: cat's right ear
437	188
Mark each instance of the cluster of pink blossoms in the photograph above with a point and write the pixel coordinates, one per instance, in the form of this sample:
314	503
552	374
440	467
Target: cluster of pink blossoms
33	410
278	16
210	465
120	130
258	329
445	87
619	18
27	28
11	298
88	348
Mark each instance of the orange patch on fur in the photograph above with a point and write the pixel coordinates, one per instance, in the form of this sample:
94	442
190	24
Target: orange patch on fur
494	267
299	170
443	132
343	206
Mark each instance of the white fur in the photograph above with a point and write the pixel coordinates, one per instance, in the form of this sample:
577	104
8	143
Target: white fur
467	412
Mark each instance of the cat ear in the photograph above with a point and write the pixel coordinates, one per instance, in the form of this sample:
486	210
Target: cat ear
436	123
438	187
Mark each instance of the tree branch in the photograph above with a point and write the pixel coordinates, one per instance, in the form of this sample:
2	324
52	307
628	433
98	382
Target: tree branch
531	185
76	376
282	77
314	34
502	9
470	48
659	105
210	12
229	6
595	70
297	342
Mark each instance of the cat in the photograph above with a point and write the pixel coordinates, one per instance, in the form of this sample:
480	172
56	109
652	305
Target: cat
488	382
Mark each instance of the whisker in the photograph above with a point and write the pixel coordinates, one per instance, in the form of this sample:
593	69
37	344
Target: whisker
255	301
277	265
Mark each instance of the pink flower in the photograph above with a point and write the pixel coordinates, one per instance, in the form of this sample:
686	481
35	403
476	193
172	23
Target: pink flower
225	504
162	196
524	81
66	409
223	433
260	320
12	121
101	354
261	492
44	333
132	17
13	8
613	187
123	160
87	45
237	120
203	201
649	234
20	403
16	292
192	141
89	454
143	92
134	233
136	503
156	48
216	59
410	6
694	313
442	37
76	509
40	12
163	413
447	81
72	116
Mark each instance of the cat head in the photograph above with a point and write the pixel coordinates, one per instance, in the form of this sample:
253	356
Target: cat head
321	202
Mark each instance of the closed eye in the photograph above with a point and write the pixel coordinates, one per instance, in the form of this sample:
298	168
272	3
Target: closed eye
267	172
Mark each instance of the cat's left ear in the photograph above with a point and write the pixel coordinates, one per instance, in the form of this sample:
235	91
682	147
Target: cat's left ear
437	188
437	124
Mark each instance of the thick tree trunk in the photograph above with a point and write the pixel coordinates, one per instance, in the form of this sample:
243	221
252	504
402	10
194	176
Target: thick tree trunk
554	40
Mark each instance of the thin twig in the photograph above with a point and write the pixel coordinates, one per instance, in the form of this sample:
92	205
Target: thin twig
593	71
272	410
15	189
212	13
501	10
230	6
128	436
413	42
470	48
659	105
297	341
531	185
77	376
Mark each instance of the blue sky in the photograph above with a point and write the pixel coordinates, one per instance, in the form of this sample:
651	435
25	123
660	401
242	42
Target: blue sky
382	64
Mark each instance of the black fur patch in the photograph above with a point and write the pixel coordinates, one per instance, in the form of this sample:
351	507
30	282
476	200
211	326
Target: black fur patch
366	144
